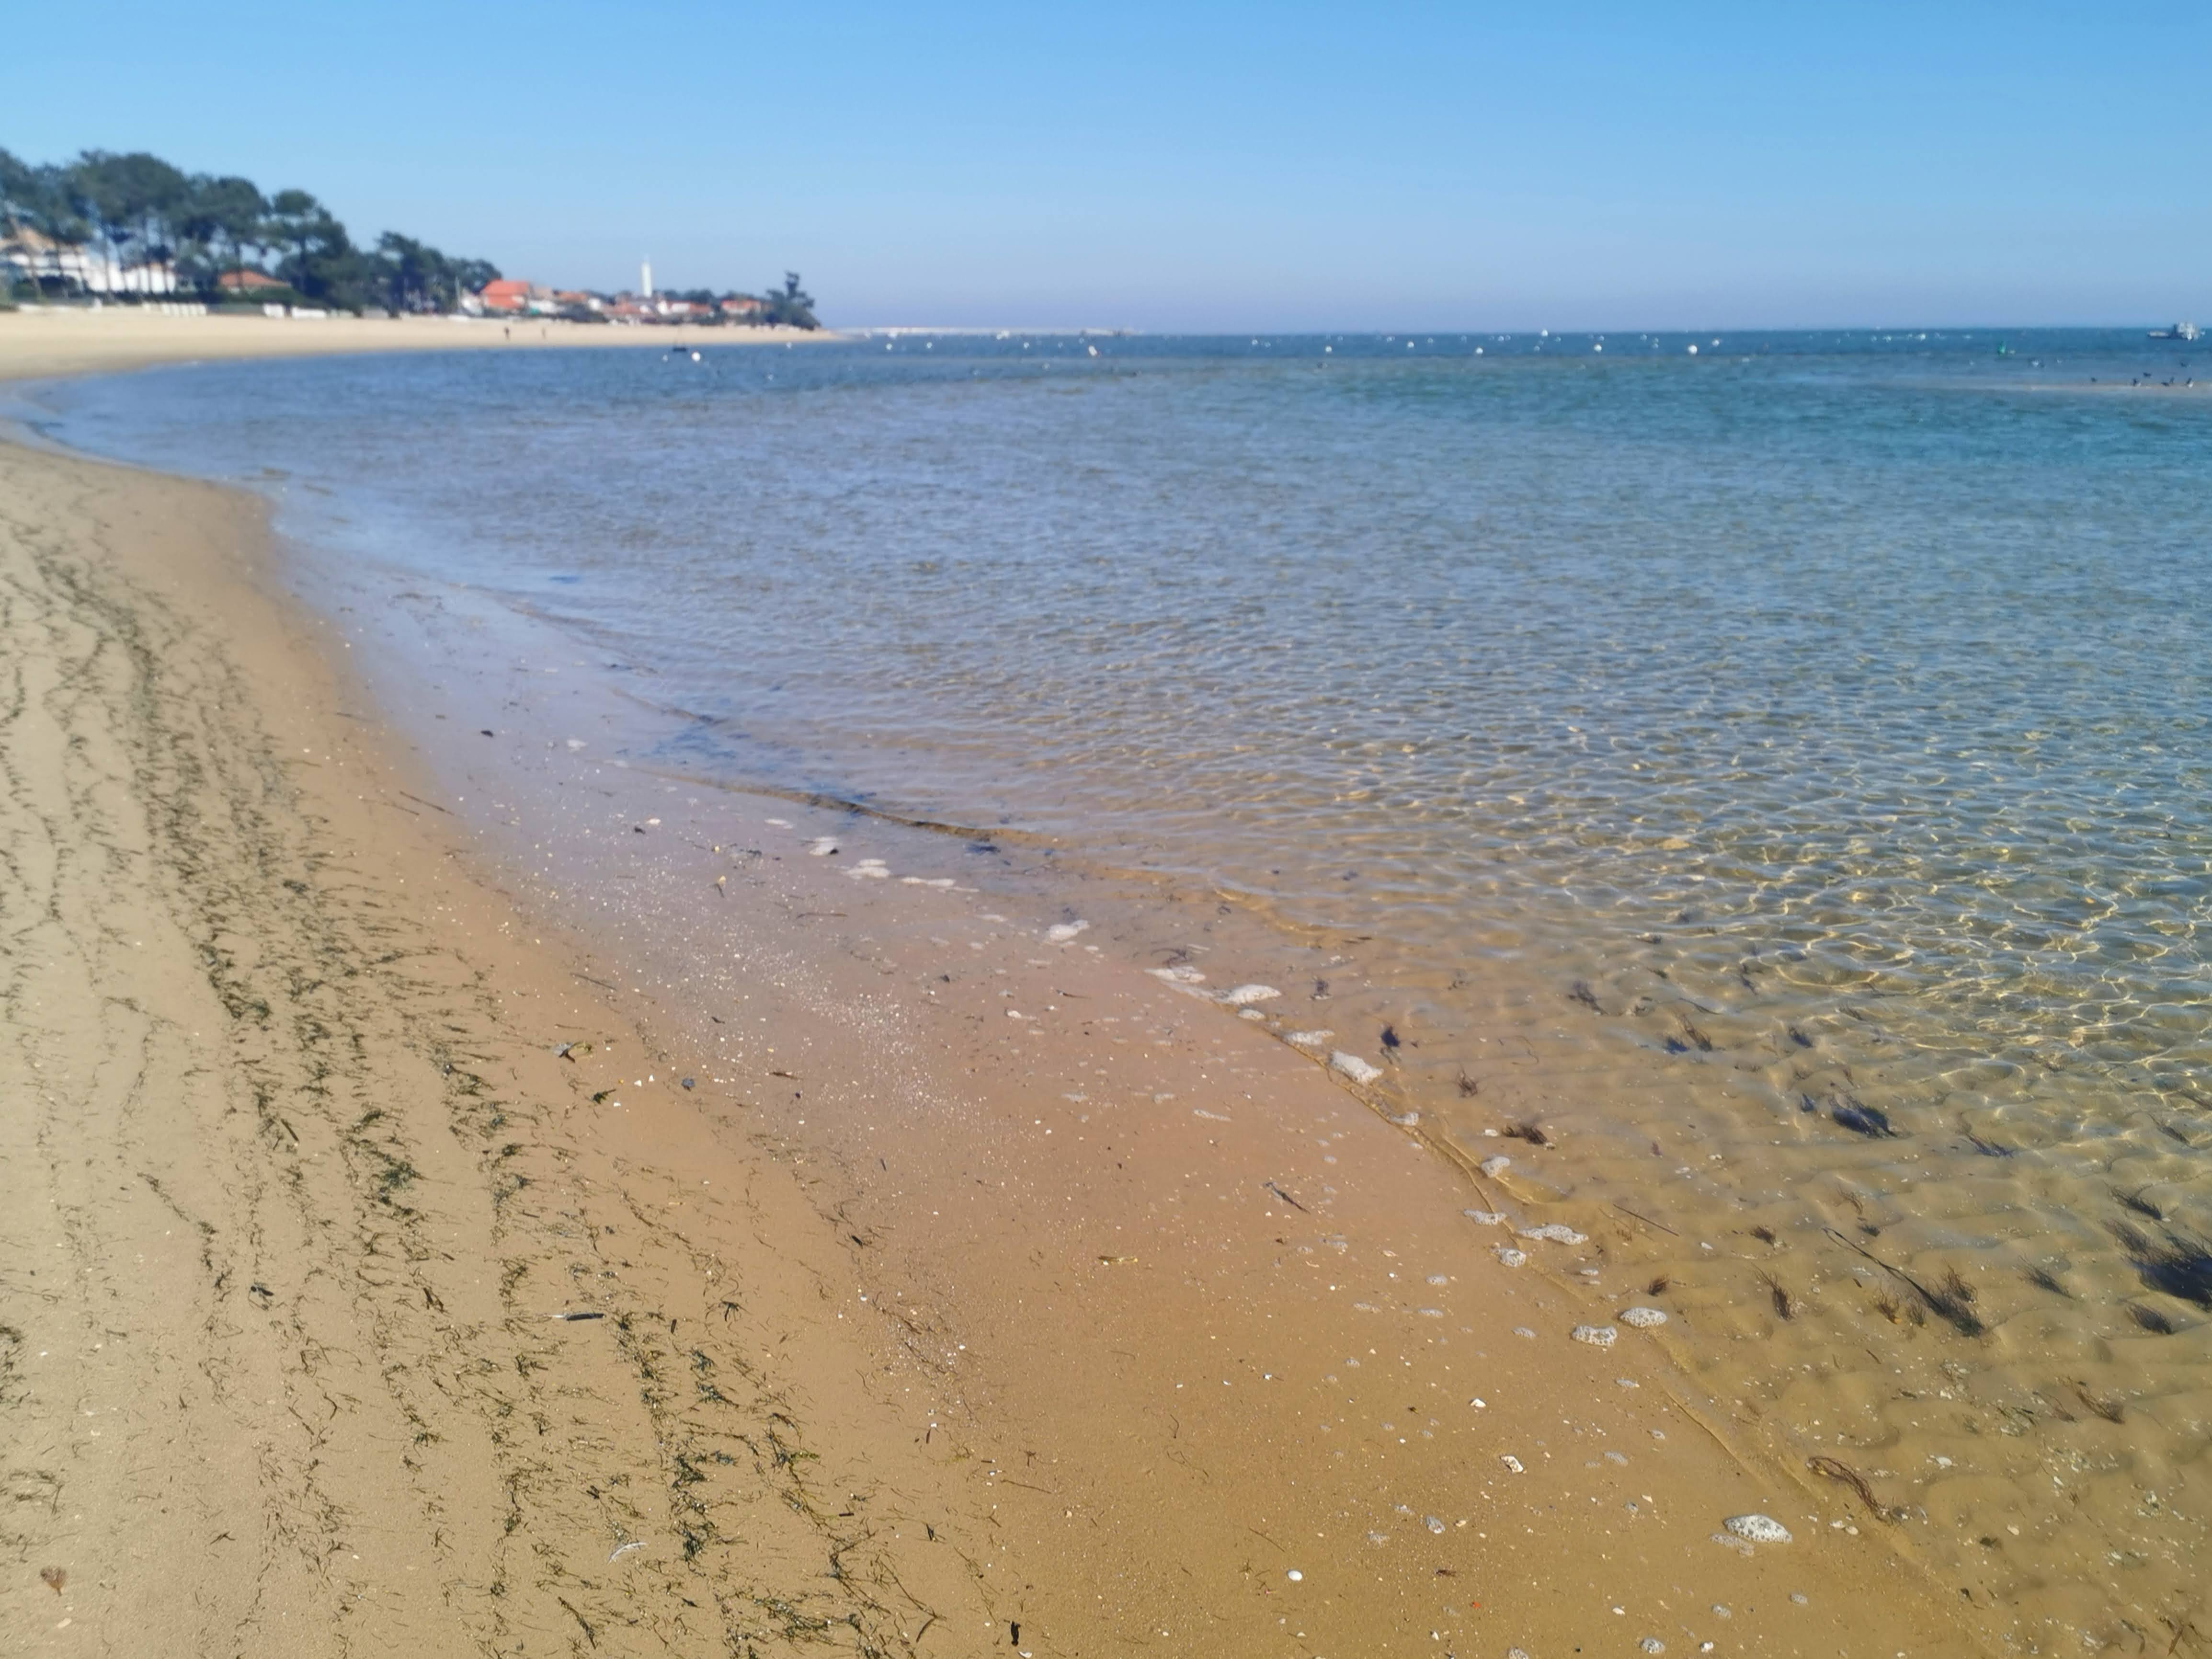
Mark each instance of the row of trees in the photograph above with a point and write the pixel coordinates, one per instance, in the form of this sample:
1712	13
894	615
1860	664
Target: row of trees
138	210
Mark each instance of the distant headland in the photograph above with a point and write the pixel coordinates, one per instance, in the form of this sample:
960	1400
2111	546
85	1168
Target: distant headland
133	227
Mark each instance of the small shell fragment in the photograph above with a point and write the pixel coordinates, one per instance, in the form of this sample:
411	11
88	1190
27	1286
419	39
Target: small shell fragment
1757	1529
1060	931
1598	1336
1511	1463
1642	1318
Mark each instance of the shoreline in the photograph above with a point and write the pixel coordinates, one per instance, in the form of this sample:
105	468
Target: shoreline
1180	1510
60	342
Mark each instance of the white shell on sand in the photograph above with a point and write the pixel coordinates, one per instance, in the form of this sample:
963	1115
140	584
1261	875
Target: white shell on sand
1556	1233
1354	1068
1060	931
1757	1529
1598	1336
1311	1040
1511	1463
1512	1257
1485	1217
1245	995
1495	1166
1642	1318
1181	974
822	846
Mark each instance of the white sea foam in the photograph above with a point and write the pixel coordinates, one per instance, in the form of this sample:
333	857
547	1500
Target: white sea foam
1555	1233
1244	995
1354	1068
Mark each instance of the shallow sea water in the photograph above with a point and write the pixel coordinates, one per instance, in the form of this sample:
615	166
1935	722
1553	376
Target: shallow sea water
1777	776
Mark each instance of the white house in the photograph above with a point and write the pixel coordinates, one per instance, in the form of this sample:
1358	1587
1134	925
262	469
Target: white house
25	254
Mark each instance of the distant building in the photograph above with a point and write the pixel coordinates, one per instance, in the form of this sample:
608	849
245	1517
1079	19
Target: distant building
510	296
30	256
742	308
245	284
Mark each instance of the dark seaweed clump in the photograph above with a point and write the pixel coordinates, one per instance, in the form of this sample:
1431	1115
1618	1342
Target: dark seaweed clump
1785	1305
2174	1262
1862	1119
2141	1204
1952	1302
2108	1406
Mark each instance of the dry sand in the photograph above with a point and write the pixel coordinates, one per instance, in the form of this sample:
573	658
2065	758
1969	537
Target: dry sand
70	340
907	1341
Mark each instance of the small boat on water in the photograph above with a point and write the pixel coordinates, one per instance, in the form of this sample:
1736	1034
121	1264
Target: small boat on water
2178	331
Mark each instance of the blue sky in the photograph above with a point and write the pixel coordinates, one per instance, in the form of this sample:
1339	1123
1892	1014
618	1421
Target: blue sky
1213	166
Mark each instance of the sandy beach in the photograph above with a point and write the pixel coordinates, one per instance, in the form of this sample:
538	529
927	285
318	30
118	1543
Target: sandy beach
46	341
392	1259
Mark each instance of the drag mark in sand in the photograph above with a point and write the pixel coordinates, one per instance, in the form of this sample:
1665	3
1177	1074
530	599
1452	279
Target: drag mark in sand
289	1197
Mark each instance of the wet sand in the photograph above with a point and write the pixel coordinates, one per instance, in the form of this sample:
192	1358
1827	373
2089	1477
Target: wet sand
980	1290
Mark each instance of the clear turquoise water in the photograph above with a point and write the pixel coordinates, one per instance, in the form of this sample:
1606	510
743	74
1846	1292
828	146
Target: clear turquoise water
1863	664
1701	751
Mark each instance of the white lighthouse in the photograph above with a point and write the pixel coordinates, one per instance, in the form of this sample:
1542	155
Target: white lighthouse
645	279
